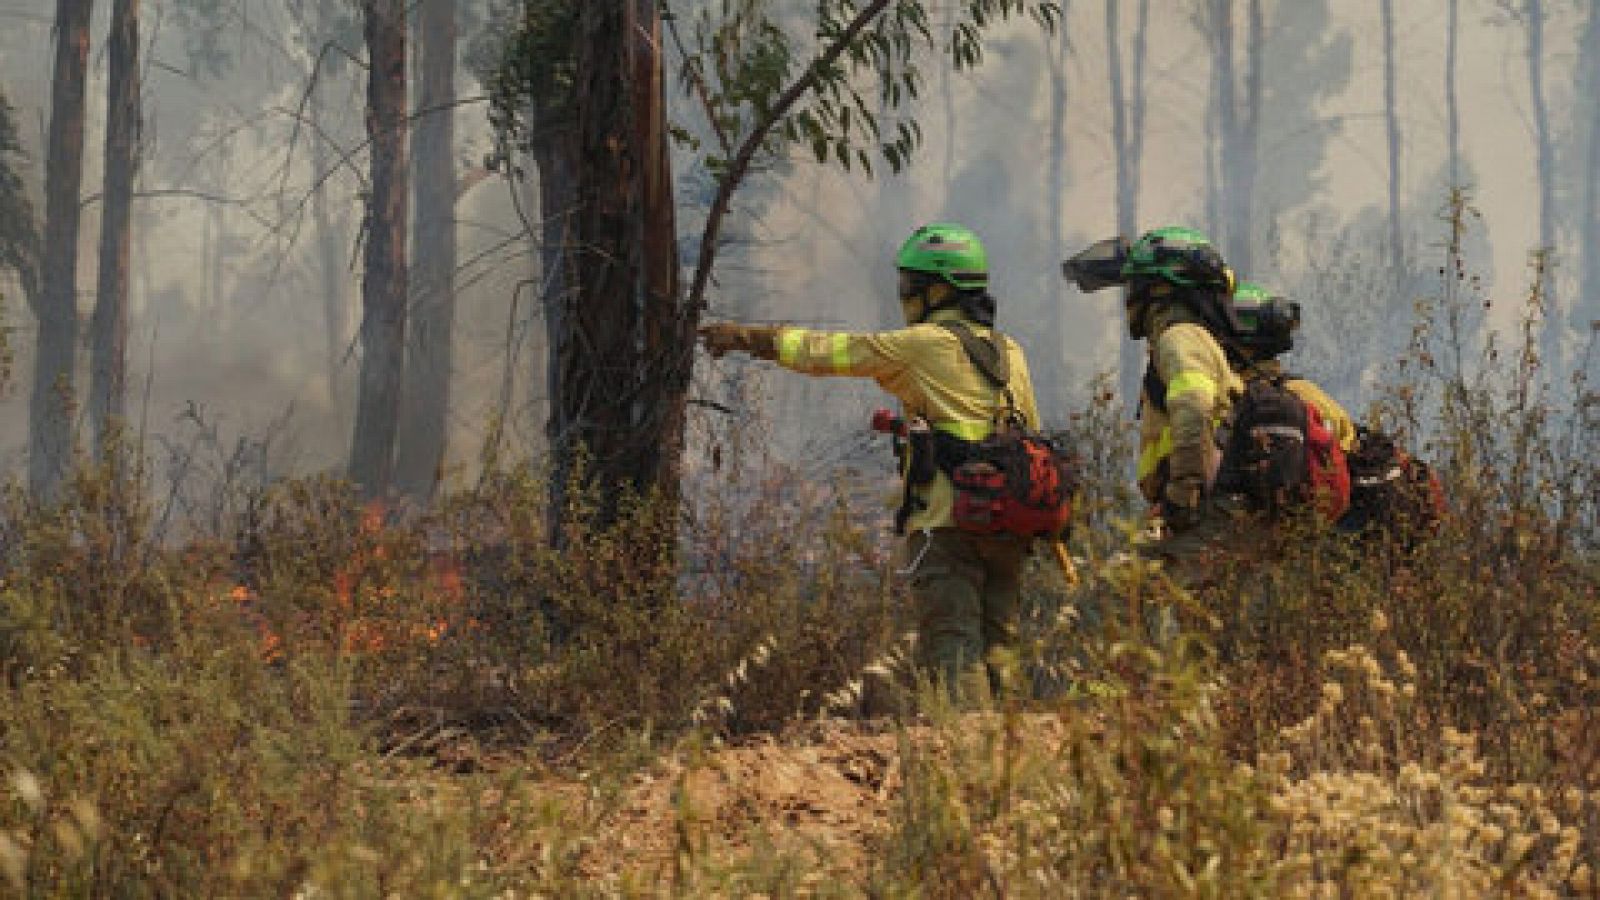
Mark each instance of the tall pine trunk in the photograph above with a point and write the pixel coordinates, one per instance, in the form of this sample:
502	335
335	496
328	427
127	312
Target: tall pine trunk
626	351
1545	152
1391	122
1589	215
1127	138
1237	129
330	265
383	286
1248	141
1057	44
109	328
56	307
1452	99
425	421
555	153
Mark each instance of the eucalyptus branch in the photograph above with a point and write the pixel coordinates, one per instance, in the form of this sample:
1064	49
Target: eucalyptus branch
739	165
697	80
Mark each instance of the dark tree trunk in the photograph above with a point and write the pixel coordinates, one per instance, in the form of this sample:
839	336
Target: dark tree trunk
425	424
109	328
555	152
383	287
56	308
1391	121
626	353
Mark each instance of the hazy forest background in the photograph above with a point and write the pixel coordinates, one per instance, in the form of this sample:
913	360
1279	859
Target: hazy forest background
1317	144
251	247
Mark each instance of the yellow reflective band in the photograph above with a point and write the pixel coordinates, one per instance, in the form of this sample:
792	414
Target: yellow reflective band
789	342
1191	381
975	430
1151	456
841	352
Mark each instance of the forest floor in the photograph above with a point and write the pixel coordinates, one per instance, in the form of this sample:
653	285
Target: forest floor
821	797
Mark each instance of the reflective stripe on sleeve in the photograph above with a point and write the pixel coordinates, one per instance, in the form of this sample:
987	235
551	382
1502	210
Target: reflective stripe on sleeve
1151	456
789	342
1191	381
840	351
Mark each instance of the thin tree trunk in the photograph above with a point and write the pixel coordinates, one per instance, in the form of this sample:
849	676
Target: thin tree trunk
1589	227
330	266
1248	141
51	405
218	315
1227	111
1452	100
1231	193
109	328
625	360
1127	138
1391	121
1055	330
425	422
383	287
1554	322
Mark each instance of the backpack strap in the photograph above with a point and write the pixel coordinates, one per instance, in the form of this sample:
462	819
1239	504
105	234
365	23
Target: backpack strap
1155	388
984	354
987	356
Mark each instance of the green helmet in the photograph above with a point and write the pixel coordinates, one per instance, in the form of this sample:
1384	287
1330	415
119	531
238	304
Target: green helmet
948	251
1182	256
1265	323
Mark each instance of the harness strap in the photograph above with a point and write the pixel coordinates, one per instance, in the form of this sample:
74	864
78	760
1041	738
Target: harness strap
947	450
987	356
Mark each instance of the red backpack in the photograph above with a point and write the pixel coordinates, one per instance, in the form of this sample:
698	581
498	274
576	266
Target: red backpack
1016	480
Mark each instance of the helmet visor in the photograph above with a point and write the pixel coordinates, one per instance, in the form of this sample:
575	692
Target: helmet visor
1098	266
913	283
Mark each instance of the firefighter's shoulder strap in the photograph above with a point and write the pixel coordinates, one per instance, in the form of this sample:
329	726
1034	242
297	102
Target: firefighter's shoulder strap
988	356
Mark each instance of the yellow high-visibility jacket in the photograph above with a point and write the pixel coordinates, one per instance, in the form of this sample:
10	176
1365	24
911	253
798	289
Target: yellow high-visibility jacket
1200	389
927	369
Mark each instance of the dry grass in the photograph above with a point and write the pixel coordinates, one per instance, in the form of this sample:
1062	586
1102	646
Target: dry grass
326	700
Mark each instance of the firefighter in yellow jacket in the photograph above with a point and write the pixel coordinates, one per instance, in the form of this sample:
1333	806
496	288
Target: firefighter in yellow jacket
1177	285
965	586
1264	329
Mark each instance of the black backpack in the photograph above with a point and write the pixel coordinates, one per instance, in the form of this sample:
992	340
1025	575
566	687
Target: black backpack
1278	455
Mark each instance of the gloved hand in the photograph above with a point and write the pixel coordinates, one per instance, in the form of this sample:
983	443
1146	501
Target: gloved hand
721	338
1183	503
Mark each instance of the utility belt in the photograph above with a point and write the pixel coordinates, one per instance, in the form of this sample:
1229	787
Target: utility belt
1012	482
925	452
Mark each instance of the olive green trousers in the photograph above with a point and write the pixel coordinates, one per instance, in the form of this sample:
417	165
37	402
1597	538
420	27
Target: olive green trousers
966	589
